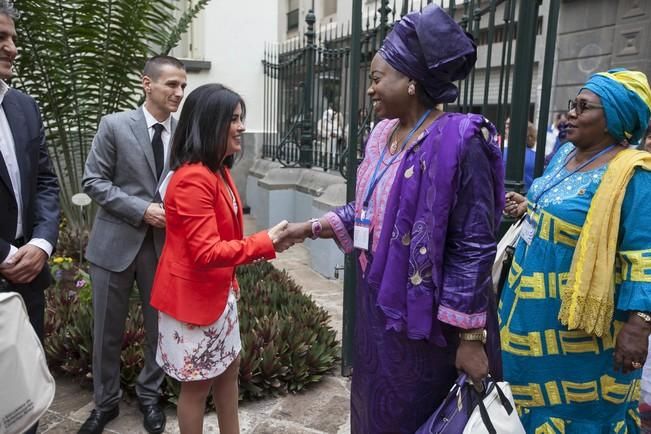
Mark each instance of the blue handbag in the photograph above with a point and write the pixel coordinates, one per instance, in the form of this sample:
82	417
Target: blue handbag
453	413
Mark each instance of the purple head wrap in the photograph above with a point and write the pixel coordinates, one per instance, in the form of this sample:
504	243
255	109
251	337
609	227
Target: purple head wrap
431	48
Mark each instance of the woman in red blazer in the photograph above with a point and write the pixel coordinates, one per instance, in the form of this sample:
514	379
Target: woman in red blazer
195	289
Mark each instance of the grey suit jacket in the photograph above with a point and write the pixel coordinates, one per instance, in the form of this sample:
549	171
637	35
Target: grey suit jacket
120	176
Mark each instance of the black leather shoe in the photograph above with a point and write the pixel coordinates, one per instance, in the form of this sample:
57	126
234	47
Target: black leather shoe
98	419
154	418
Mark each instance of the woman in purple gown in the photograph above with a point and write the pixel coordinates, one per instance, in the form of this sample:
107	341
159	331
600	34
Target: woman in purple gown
428	202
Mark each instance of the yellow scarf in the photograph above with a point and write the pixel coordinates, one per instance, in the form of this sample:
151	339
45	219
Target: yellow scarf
588	302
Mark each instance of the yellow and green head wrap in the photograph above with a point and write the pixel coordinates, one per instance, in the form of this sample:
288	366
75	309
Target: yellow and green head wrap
626	98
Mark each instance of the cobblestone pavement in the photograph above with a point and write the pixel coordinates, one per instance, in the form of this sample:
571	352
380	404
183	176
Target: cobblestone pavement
323	408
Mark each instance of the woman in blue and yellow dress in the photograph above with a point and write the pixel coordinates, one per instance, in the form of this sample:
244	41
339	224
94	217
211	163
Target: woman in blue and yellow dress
575	312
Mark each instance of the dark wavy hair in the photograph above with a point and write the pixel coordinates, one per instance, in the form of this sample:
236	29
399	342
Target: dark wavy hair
201	135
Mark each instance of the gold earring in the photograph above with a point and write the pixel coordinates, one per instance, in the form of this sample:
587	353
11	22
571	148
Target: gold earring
411	90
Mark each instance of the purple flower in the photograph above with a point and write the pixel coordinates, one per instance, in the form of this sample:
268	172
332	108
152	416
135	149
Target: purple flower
58	274
80	283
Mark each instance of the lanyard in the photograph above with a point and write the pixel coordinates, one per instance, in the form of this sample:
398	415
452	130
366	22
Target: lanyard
375	179
554	184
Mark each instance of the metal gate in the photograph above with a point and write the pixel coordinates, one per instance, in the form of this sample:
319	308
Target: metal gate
317	113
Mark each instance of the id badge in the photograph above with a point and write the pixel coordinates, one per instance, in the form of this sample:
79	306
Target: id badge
528	229
361	232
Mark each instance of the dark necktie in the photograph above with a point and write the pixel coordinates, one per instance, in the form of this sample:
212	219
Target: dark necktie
157	145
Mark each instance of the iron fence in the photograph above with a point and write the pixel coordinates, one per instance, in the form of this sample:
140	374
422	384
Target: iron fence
307	80
317	113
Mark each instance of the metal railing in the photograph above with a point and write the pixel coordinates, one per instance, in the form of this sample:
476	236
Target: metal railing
327	72
307	80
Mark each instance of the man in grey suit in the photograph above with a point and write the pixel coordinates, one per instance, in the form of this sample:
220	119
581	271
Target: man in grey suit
127	162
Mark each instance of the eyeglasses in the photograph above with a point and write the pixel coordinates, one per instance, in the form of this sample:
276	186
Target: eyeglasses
581	105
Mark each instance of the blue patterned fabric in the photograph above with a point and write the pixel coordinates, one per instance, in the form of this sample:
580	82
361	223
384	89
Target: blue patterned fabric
563	381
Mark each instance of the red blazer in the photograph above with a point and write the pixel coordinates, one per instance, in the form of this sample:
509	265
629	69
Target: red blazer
203	245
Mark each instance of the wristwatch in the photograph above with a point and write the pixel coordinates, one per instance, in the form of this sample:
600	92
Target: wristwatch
645	316
316	228
479	335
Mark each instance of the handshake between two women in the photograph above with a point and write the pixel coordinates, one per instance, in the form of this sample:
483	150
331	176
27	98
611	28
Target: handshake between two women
284	235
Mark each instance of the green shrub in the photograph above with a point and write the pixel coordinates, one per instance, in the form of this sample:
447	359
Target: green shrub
68	319
287	342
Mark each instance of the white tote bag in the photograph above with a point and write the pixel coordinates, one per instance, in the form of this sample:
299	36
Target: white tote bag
496	413
27	388
504	254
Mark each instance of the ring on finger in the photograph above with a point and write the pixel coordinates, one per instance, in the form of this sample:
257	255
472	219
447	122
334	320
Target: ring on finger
636	365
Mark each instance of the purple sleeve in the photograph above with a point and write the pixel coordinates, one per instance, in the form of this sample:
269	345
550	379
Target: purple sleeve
470	246
342	221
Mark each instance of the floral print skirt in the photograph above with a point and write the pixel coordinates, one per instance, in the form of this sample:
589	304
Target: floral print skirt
189	352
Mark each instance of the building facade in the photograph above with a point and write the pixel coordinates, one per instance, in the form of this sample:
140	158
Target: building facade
229	42
597	35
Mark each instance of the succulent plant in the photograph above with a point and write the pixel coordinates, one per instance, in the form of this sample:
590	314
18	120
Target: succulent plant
287	343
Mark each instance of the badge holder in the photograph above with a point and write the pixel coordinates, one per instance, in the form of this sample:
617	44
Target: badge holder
361	233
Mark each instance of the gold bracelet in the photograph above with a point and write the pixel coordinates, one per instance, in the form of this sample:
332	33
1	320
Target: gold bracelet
479	336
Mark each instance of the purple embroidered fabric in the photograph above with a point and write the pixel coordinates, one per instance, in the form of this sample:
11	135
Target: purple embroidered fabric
441	238
429	273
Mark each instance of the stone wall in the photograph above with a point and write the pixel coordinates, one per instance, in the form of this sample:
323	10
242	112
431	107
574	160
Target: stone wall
596	35
276	193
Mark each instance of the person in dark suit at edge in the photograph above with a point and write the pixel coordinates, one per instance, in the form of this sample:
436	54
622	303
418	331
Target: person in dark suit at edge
29	190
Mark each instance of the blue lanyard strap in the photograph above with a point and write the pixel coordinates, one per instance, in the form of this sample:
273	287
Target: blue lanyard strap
375	179
553	184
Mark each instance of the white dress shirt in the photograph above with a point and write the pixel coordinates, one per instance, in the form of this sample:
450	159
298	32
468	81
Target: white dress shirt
8	150
165	135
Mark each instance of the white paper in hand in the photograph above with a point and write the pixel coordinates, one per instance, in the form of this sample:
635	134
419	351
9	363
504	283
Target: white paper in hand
163	185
